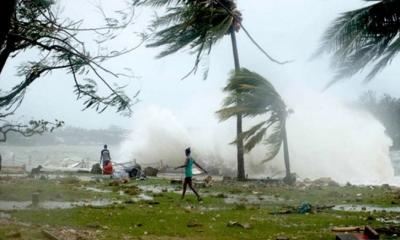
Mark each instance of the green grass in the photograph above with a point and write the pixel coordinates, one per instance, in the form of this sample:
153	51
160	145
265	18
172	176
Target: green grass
167	217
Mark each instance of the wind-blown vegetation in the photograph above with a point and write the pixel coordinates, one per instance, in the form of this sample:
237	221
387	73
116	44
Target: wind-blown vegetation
55	42
368	36
251	95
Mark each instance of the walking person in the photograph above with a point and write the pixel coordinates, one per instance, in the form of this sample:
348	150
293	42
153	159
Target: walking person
189	173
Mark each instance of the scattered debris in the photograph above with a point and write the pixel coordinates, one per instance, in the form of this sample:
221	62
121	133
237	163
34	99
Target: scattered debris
14	235
304	207
150	171
238	224
367	233
96	169
132	190
282	238
208	181
389	230
193	223
365	208
347	229
325	181
50	235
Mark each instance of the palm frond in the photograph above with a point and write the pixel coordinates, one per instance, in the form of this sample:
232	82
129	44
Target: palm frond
369	35
251	95
273	142
190	24
228	112
255	139
247	134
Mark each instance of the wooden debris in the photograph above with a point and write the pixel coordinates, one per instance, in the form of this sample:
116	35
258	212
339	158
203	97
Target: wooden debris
347	229
238	224
49	235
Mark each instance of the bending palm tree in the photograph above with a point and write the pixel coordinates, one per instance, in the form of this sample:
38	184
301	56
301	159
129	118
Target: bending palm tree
252	95
198	24
368	35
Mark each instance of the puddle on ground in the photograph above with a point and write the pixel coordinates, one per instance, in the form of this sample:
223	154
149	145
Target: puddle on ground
251	199
83	178
4	215
365	208
156	189
142	197
13	205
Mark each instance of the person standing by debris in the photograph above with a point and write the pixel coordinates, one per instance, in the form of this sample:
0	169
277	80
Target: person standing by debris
105	156
105	161
189	173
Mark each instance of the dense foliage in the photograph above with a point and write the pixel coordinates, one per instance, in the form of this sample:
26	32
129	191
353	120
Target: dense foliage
363	37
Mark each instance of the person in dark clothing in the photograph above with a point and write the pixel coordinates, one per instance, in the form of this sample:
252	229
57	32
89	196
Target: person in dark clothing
189	173
105	156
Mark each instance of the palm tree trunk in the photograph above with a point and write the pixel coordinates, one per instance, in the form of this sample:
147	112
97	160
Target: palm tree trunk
286	152
239	144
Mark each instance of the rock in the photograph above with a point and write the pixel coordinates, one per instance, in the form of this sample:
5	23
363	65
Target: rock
96	169
150	171
114	184
282	238
14	235
326	181
193	223
93	225
132	190
238	224
50	235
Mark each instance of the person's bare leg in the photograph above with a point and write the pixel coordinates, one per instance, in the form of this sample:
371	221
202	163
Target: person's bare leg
194	190
184	189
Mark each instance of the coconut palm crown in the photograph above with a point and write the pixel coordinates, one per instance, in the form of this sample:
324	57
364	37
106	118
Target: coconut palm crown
193	24
369	35
252	95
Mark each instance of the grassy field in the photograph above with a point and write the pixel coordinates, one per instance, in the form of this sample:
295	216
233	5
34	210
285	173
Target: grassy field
229	210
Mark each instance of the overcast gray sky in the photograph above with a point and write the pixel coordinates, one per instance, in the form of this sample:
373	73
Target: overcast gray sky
287	29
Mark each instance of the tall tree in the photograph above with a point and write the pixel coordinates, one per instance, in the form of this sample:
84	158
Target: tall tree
199	25
363	37
34	24
257	98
